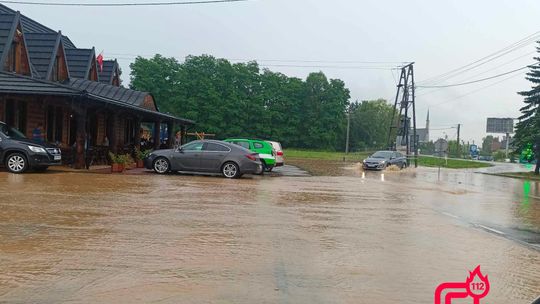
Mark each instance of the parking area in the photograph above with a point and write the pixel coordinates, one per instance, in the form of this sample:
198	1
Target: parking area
105	238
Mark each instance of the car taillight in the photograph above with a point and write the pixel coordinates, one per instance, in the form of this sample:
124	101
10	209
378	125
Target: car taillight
280	153
252	157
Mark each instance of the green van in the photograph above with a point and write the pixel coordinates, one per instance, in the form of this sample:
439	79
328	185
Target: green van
265	150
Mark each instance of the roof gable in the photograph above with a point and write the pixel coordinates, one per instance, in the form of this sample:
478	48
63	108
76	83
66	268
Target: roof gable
80	62
11	29
42	48
110	69
32	26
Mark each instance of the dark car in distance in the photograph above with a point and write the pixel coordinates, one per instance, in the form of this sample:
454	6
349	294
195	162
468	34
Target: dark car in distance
380	160
206	156
19	154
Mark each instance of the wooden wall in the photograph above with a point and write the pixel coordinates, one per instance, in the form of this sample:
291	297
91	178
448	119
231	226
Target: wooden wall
101	129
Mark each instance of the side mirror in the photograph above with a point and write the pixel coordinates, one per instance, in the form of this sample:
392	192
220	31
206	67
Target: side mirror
179	150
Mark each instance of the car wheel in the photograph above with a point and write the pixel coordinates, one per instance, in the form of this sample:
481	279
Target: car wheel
161	165
16	163
268	169
230	170
263	168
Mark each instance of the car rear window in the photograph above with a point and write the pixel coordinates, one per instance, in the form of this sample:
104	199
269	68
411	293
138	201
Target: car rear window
244	144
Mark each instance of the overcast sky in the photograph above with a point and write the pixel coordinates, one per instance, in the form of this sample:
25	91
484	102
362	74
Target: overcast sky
438	35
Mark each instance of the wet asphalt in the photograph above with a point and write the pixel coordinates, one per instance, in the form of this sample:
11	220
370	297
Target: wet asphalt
338	236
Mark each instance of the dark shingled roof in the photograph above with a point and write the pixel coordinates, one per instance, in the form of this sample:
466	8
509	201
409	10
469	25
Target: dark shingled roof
12	83
67	43
41	49
6	26
30	25
79	62
106	76
120	94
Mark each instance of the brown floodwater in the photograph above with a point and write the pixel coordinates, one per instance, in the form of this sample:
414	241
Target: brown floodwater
93	238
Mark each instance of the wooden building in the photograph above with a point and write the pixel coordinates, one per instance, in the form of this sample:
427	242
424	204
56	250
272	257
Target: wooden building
46	81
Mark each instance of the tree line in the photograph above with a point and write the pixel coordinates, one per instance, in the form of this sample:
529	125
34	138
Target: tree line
243	100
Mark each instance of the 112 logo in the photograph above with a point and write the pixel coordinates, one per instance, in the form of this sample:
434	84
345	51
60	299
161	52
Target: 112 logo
476	286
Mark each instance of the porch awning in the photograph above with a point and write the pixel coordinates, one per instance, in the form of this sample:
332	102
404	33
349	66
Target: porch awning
133	100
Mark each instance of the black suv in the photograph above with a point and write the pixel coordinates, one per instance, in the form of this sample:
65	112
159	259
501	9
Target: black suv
19	153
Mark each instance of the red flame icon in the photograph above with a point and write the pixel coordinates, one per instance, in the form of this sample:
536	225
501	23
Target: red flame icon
476	286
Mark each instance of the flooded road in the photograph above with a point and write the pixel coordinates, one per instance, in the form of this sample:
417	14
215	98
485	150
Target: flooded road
92	238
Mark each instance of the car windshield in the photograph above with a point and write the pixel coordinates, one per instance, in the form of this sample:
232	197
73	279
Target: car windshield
11	132
382	154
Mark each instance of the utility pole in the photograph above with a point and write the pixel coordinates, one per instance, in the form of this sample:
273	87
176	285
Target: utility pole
458	150
348	129
405	96
507	142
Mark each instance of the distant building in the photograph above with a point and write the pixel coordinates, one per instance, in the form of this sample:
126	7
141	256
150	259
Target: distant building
496	145
423	134
503	143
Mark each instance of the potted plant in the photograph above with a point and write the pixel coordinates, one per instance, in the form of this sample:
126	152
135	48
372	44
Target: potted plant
129	162
140	156
118	162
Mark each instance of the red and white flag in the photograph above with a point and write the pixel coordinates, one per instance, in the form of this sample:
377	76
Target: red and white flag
99	60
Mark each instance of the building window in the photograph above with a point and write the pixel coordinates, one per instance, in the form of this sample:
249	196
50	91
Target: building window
129	132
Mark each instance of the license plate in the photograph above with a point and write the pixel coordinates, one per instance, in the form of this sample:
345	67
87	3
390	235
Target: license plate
58	157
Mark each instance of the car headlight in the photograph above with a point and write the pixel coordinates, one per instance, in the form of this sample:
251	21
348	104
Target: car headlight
382	162
364	161
37	149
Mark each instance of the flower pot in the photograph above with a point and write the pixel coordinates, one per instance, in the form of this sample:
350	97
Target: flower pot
117	168
140	163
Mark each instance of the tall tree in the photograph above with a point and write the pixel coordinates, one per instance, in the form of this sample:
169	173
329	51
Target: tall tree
369	123
240	100
528	127
487	144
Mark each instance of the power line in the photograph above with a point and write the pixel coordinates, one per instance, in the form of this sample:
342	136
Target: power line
478	80
512	47
474	91
435	90
393	64
353	67
328	66
120	4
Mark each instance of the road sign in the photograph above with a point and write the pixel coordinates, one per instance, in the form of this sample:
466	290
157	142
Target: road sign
441	147
473	150
500	125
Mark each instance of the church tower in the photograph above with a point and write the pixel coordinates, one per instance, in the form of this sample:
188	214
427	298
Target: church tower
427	126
